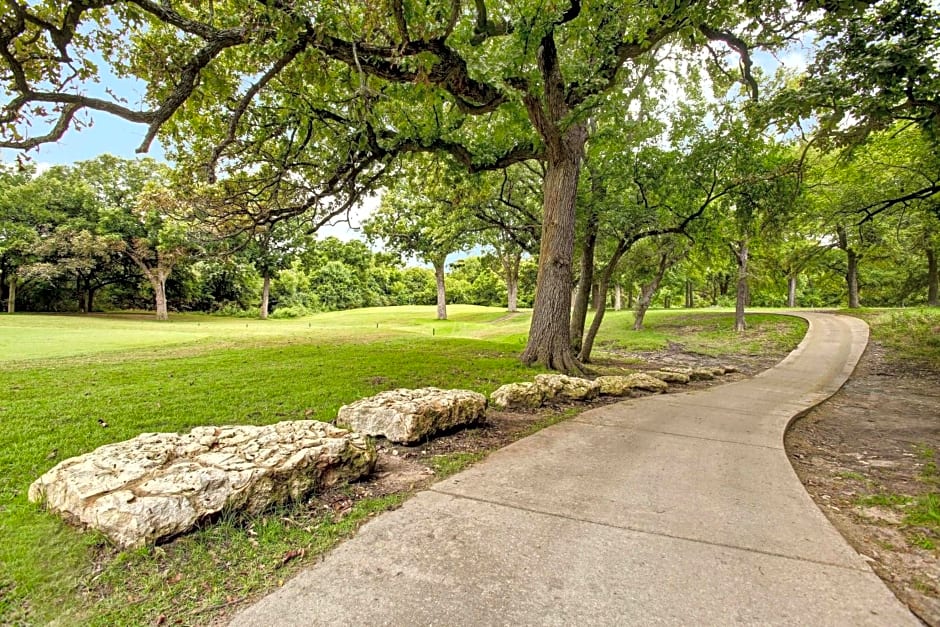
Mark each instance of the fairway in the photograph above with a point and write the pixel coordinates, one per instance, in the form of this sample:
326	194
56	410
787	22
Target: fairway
29	336
64	377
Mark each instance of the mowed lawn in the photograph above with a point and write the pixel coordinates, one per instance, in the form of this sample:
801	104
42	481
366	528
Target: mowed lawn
63	378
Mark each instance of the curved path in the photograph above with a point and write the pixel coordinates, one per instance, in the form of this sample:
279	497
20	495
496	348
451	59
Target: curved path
676	509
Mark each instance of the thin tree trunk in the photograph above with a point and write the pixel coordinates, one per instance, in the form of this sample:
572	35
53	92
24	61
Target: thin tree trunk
11	299
851	277
158	281
642	304
851	270
618	297
689	294
585	282
630	297
549	332
80	294
648	291
724	282
933	282
791	291
740	254
603	285
512	292
441	293
265	295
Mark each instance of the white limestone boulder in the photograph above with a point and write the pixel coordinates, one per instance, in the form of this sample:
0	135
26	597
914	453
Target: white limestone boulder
517	395
706	373
668	376
159	485
680	369
625	385
410	416
564	388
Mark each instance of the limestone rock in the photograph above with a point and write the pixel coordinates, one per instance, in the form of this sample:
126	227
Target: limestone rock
513	395
159	485
409	416
564	388
669	376
706	373
680	369
624	385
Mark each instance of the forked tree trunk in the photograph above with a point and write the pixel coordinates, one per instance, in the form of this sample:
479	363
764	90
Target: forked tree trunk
582	292
740	255
441	293
158	281
791	291
603	285
512	293
510	262
933	281
851	277
549	332
618	297
265	295
648	291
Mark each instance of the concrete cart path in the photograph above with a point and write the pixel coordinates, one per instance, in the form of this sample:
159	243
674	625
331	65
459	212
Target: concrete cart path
678	509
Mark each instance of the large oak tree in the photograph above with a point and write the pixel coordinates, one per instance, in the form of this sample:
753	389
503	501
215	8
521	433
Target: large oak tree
319	97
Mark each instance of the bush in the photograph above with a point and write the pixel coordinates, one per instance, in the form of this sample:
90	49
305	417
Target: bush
290	311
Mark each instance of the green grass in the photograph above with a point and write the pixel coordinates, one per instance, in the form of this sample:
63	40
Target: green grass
61	375
852	475
921	515
708	333
912	335
449	464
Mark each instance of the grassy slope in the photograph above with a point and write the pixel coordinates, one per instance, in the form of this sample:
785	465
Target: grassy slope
62	374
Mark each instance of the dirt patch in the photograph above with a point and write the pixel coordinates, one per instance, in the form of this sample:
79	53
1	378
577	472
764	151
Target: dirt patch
867	456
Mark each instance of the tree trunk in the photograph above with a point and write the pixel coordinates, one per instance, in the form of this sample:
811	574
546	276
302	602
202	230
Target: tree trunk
11	299
265	295
158	280
80	294
643	303
851	270
724	282
90	299
549	332
933	282
851	277
512	292
648	291
441	293
740	255
603	285
585	283
689	294
618	297
791	291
